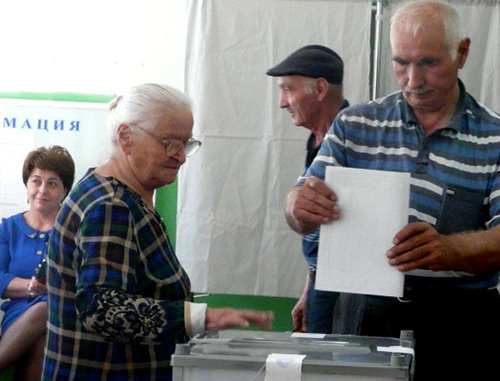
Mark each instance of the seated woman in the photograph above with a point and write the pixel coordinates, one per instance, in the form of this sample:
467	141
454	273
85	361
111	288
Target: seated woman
48	175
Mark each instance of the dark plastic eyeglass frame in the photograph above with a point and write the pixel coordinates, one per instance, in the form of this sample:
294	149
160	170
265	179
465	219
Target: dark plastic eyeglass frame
174	146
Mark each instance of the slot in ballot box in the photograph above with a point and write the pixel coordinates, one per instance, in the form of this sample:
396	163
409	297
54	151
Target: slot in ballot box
242	355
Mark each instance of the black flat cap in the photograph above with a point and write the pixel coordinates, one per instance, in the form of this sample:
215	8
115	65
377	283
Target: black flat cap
312	61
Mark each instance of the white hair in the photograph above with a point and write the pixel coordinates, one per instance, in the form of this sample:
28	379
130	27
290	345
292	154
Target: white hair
142	106
413	15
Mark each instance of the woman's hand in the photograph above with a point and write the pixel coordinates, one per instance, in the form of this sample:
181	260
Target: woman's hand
223	318
36	288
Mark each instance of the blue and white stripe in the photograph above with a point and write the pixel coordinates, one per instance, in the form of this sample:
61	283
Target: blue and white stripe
385	135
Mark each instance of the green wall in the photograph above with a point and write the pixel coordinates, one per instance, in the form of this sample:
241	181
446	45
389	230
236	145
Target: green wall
166	205
62	97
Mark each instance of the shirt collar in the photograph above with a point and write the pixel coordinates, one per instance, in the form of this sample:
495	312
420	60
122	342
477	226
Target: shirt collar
25	228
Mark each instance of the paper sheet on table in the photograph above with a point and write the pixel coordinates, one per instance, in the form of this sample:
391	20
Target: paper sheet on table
373	208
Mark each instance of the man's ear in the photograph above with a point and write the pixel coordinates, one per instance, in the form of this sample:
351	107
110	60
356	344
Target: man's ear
124	135
463	52
322	88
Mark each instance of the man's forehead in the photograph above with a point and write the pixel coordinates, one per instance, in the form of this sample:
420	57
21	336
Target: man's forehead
425	34
424	44
291	79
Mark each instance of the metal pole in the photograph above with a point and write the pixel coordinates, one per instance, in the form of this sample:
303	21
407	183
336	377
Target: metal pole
376	53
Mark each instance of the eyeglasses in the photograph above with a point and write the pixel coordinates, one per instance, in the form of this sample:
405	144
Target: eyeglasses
173	146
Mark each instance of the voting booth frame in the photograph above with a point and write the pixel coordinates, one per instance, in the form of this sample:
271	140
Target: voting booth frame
166	204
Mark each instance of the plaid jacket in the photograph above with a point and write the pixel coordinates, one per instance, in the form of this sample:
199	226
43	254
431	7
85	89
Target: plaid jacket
116	289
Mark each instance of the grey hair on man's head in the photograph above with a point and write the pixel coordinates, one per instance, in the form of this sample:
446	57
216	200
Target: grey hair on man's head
412	16
143	105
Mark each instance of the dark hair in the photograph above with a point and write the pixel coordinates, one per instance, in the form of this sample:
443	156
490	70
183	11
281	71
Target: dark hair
56	159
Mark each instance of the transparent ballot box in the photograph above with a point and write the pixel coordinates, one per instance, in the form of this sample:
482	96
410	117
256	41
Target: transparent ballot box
243	355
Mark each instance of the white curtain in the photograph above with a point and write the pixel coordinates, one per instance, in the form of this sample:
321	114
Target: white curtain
231	233
481	74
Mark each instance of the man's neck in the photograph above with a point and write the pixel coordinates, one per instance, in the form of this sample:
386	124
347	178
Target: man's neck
324	122
435	119
438	117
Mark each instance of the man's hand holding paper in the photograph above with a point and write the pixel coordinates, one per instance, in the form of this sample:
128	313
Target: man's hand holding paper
419	246
310	205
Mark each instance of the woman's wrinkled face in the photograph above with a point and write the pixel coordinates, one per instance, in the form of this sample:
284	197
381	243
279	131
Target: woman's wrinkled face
45	190
149	160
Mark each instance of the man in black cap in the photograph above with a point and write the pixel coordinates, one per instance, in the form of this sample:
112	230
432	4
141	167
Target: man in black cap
310	82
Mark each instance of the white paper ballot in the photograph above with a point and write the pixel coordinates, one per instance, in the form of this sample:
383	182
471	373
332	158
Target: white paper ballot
373	208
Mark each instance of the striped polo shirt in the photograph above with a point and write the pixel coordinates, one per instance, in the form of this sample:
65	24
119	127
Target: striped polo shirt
455	181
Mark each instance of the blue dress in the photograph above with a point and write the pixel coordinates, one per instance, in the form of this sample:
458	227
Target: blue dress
22	248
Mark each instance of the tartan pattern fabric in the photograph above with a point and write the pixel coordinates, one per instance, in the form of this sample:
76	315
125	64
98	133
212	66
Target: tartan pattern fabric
116	288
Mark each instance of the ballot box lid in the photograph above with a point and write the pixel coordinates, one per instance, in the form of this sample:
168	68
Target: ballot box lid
340	354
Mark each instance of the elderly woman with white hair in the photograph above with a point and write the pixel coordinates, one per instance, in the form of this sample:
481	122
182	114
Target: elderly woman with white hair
119	300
